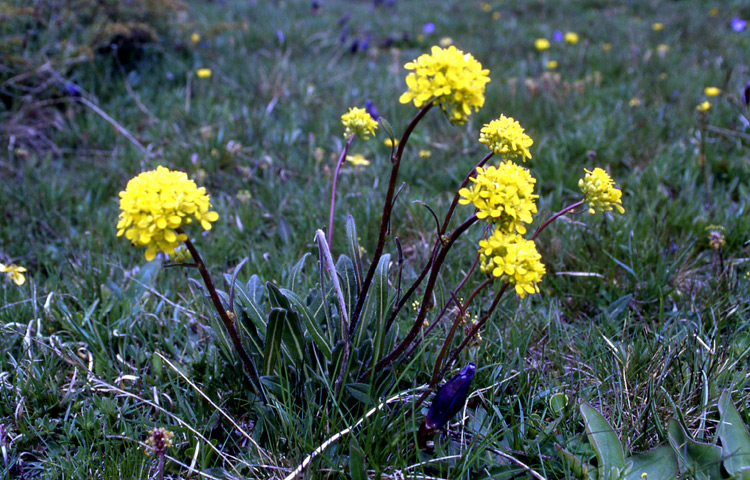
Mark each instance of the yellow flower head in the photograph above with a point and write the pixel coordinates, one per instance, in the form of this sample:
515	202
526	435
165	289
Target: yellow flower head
446	42
358	122
606	47
551	64
657	26
513	259
504	196
449	77
662	49
712	91
203	72
703	106
195	37
716	236
388	142
506	137
600	191
541	44
14	272
425	154
158	202
571	38
357	159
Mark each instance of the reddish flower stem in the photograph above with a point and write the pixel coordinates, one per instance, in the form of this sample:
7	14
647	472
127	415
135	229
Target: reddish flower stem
331	211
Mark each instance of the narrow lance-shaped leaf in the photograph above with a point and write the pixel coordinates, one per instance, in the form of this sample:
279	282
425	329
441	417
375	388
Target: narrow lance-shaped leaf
273	339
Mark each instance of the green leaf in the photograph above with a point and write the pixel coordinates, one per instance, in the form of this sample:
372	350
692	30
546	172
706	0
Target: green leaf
352	246
734	437
311	324
273	339
380	294
658	464
360	391
348	279
603	438
296	273
143	280
387	128
251	298
357	467
293	337
701	460
572	463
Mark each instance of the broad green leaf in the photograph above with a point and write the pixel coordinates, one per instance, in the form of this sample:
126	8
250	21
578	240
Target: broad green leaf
273	339
296	273
348	279
352	246
251	299
702	460
293	337
357	467
277	299
311	324
734	437
658	464
603	438
572	463
380	292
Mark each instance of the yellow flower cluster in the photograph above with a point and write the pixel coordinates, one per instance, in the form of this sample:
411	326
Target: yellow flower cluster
358	122
155	204
506	137
14	272
600	191
449	77
514	260
504	196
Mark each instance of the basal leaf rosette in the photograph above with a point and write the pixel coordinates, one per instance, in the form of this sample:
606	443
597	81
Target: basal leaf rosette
451	78
506	137
600	191
513	259
357	121
157	203
503	195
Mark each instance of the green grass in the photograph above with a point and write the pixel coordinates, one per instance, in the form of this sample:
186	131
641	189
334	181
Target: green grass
657	333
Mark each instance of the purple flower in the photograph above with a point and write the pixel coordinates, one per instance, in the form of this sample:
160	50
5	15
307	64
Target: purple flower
428	27
746	95
738	24
558	36
280	36
370	107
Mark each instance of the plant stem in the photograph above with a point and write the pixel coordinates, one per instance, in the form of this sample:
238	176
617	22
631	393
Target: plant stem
385	220
555	216
456	197
342	158
247	362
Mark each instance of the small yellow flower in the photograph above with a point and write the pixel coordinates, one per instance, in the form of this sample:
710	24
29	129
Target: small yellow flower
448	77
551	64
503	195
703	107
486	7
244	196
541	44
357	159
425	154
420	38
662	49
712	91
663	76
391	143
600	191
716	236
506	137
496	15
713	11
571	38
634	102
606	47
155	204
14	272
513	259
358	122
446	42
203	72
195	38
657	26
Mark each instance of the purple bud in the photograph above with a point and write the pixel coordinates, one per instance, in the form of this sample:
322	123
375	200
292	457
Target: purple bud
746	96
370	107
738	24
558	36
428	27
280	36
344	35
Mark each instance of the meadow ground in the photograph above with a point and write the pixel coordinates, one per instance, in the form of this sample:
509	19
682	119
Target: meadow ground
642	315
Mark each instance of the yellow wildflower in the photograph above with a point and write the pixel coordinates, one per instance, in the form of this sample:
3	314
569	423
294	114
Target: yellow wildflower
157	203
606	47
513	259
486	7
716	236
634	102
712	91
203	72
425	154
713	11
195	38
14	272
662	49
358	122
357	159
600	191
551	64
496	15
703	106
541	44
446	42
503	195
506	137
571	38
391	142
657	26
449	77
